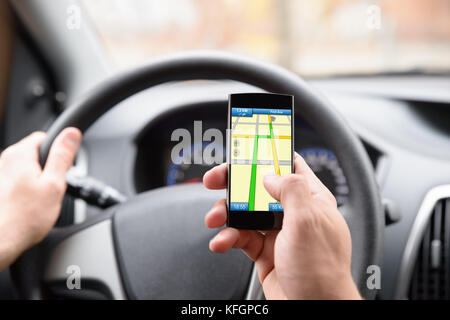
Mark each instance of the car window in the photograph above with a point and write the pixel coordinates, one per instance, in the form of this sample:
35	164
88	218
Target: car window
313	38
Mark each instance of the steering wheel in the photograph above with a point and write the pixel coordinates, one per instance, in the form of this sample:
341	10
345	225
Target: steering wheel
155	245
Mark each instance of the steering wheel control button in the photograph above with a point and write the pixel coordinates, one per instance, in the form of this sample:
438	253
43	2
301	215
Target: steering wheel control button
92	190
391	211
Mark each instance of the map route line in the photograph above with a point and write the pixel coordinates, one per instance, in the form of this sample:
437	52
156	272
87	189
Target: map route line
274	149
274	124
261	162
251	199
251	193
259	136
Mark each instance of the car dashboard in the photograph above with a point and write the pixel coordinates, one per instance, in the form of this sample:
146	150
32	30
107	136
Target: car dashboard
156	138
407	143
407	139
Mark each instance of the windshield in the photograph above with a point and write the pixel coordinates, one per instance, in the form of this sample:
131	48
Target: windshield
314	38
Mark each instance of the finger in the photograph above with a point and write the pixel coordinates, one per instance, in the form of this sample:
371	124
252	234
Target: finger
266	258
32	141
28	147
216	178
250	241
318	189
217	216
62	154
301	167
292	190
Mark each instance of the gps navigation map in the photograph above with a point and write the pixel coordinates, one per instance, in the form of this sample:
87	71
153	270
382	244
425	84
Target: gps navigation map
260	144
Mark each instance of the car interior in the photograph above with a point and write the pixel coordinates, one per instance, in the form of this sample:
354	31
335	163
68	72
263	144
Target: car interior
372	106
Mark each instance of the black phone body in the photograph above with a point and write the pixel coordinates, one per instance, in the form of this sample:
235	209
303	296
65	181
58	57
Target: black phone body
260	140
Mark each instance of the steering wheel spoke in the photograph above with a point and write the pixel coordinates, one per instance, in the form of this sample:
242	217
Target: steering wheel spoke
84	265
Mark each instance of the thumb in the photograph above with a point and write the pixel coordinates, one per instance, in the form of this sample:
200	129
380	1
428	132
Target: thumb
62	154
291	190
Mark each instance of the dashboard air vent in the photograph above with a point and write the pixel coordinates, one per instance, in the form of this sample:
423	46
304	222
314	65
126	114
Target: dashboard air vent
431	276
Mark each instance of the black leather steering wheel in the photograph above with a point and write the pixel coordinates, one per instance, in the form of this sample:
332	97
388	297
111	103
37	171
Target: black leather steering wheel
131	241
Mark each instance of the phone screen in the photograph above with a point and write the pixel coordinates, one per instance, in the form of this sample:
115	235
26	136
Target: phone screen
260	139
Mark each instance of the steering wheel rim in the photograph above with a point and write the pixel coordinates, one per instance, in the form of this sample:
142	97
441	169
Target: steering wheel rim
363	211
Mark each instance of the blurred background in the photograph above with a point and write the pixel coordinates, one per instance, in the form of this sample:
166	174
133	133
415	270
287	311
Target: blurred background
313	38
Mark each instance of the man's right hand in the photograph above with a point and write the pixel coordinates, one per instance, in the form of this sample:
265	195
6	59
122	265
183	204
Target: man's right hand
309	258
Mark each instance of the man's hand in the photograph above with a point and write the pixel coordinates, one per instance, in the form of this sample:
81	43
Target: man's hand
309	258
30	198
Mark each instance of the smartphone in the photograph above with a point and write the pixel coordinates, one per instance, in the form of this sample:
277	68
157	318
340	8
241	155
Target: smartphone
260	140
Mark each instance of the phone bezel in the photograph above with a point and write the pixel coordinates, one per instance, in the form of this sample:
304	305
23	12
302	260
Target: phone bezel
257	220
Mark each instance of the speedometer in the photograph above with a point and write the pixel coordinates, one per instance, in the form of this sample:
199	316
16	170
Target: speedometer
326	167
188	172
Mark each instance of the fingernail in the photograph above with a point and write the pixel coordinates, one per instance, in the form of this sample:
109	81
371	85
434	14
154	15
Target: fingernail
270	177
73	138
